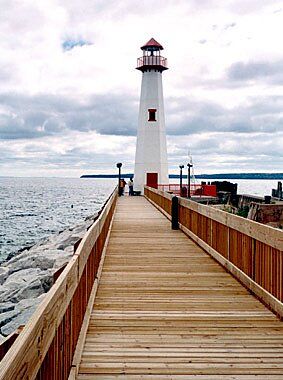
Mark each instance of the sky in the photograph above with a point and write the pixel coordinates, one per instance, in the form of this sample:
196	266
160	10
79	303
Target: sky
69	91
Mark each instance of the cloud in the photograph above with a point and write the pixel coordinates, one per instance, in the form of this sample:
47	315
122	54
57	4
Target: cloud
34	117
67	106
229	26
27	117
71	44
241	71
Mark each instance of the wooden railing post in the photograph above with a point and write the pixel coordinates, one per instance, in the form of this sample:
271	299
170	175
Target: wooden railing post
250	251
44	350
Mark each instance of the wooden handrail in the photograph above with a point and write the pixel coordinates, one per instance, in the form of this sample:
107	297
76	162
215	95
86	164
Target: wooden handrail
45	347
251	251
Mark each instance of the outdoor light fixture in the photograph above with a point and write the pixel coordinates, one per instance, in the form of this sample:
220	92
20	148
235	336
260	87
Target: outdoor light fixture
119	165
189	165
181	178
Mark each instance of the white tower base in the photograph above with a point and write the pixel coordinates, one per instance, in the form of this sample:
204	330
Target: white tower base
151	150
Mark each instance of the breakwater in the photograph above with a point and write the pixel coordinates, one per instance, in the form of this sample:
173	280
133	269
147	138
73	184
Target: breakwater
28	275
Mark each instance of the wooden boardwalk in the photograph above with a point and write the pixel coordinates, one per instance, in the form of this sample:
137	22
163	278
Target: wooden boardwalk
166	310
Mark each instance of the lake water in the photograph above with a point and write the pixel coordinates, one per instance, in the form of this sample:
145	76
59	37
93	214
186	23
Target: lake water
34	208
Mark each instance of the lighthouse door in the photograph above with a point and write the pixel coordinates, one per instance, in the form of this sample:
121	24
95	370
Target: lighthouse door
152	180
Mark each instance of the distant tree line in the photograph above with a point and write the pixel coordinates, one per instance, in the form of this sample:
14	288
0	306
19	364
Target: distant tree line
202	176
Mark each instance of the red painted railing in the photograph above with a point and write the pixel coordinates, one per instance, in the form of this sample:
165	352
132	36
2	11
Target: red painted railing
251	251
195	189
152	60
45	348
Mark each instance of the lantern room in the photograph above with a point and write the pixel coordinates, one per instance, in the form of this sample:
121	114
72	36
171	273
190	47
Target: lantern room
151	59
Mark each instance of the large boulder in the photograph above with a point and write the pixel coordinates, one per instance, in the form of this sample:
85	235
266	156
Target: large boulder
23	312
40	261
8	316
25	283
27	275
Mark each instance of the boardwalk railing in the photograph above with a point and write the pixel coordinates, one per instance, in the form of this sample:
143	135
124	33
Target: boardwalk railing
195	189
251	251
45	348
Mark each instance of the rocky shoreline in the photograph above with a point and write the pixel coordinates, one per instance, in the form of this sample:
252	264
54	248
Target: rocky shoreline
25	277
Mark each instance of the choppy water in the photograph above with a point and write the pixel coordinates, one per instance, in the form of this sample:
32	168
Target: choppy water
34	208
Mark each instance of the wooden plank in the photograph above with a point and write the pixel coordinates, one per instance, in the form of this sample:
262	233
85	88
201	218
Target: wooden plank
166	309
261	232
80	344
26	355
266	297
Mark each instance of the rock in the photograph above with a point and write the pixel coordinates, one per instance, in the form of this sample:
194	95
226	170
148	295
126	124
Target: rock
70	241
22	276
7	292
63	259
3	274
40	262
27	275
29	302
25	311
32	290
46	282
8	316
22	284
13	254
7	306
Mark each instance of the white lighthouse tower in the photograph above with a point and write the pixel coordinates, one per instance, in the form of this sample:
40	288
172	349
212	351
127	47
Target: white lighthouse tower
151	166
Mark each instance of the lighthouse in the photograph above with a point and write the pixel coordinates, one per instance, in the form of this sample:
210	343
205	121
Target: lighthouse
151	166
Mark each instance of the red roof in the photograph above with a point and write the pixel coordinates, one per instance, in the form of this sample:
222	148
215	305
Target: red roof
152	43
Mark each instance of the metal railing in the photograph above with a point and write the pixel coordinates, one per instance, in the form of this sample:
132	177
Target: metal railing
152	60
195	189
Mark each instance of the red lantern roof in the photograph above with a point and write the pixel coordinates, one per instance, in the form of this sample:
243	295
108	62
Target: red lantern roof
152	43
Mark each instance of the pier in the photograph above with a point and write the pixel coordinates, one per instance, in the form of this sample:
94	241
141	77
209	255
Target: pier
142	301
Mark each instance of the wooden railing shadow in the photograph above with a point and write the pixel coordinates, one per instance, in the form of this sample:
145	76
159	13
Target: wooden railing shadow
48	347
250	251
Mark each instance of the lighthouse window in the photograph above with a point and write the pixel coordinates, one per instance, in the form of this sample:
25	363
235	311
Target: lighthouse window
152	115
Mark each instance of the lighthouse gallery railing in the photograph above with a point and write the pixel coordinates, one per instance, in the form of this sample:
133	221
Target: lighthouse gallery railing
251	251
152	60
45	348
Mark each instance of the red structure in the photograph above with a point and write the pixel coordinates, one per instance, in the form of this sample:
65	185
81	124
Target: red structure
197	190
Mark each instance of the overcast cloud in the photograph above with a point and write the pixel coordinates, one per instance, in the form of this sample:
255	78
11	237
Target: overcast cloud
69	91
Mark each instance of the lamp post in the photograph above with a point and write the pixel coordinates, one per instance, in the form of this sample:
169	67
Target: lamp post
119	165
189	179
181	178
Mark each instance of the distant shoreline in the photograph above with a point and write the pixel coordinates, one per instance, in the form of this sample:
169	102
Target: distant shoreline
274	176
